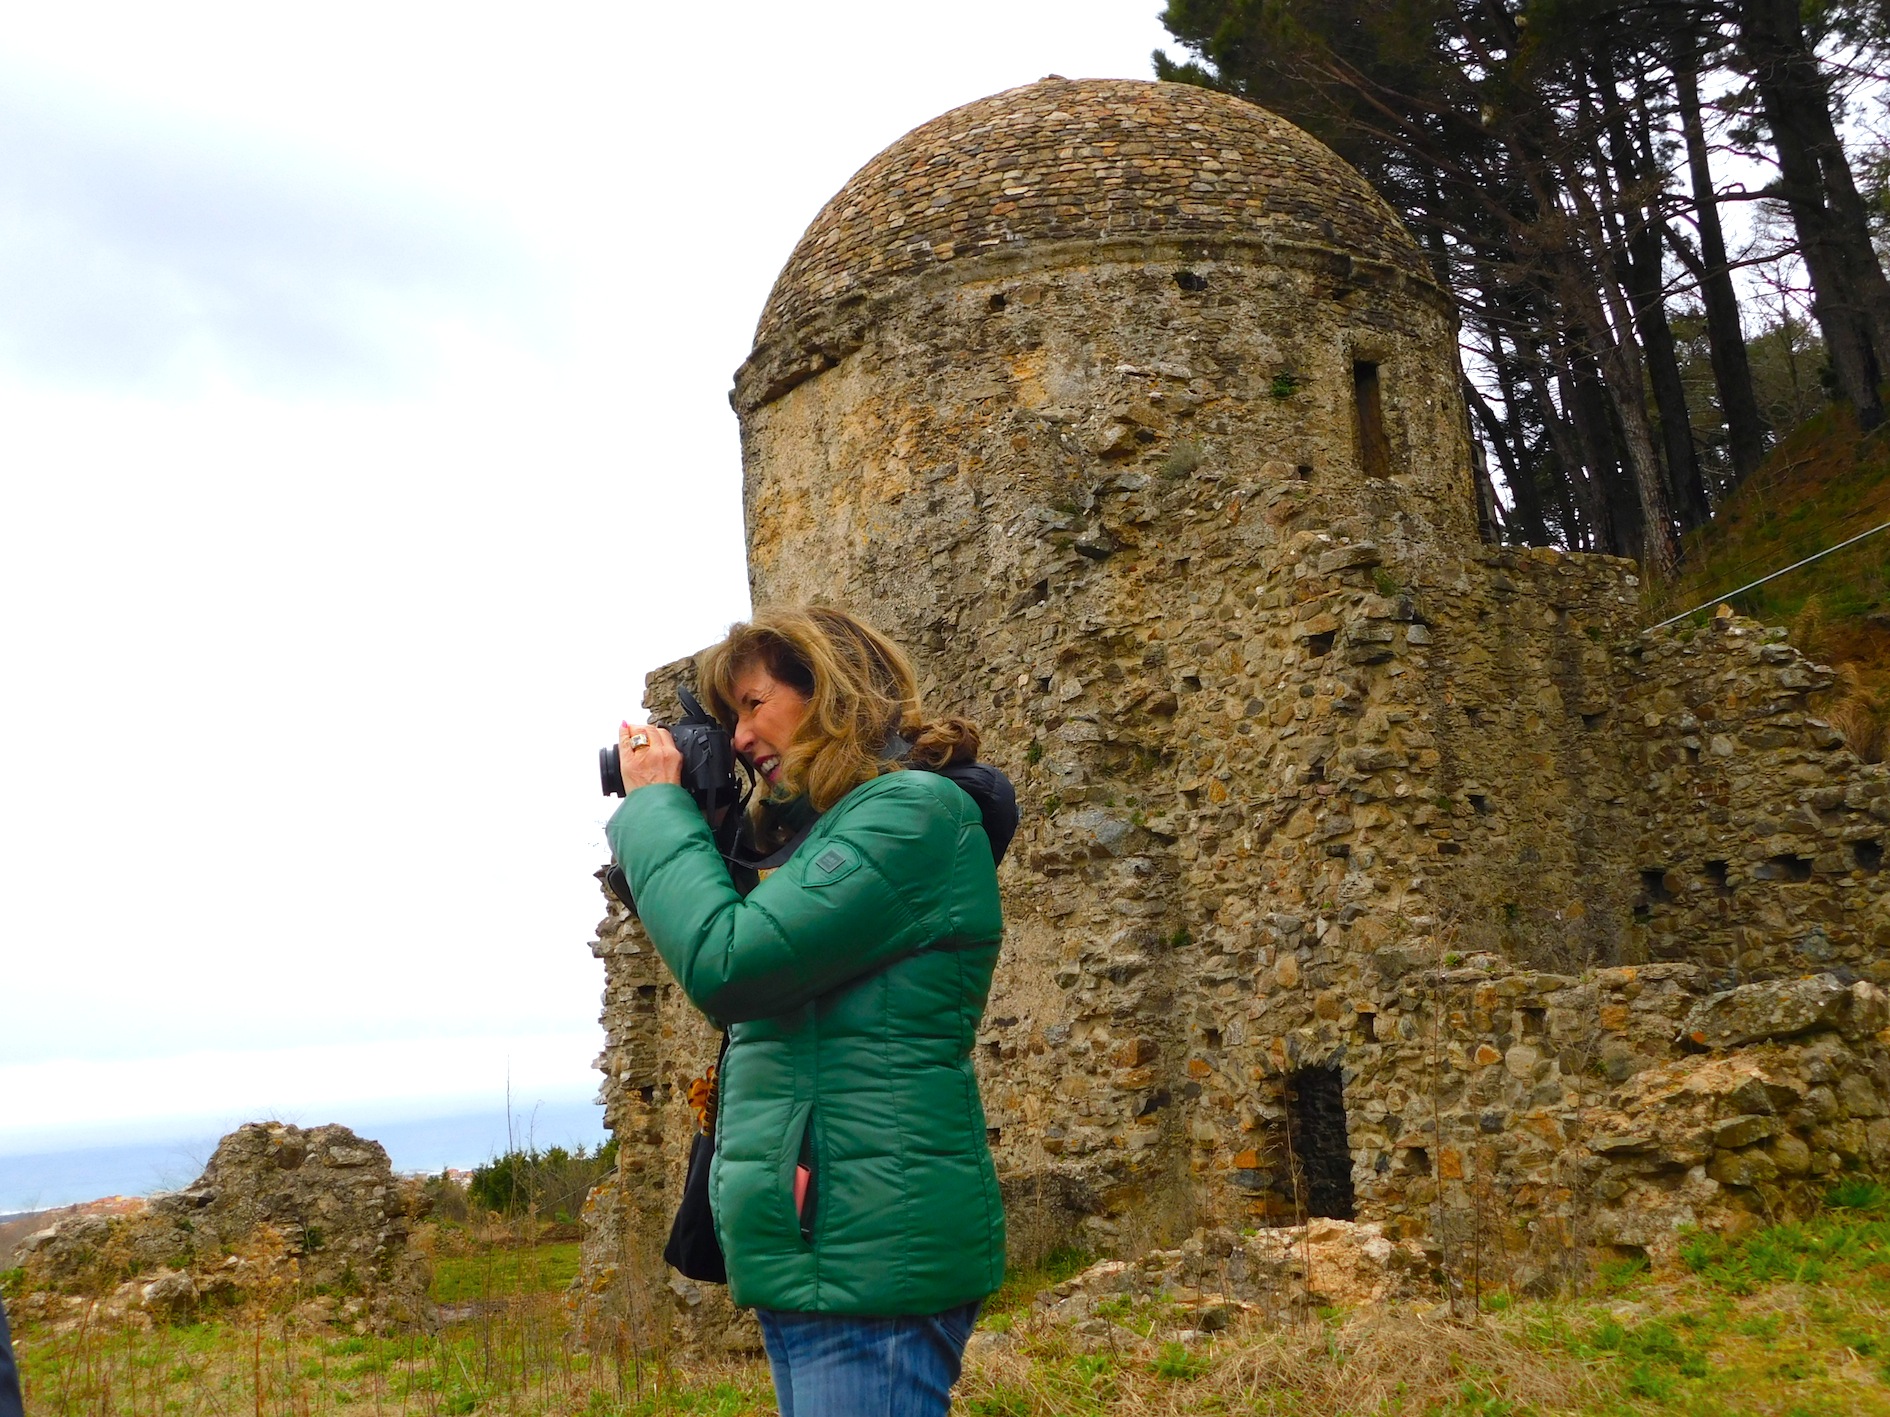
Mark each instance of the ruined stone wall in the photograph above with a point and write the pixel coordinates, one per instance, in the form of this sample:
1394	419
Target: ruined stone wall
1364	869
281	1213
1761	840
1520	1085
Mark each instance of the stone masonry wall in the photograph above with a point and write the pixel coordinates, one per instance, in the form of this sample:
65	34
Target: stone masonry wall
1762	838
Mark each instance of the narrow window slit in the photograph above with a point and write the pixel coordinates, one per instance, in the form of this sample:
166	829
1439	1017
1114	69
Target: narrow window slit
1374	450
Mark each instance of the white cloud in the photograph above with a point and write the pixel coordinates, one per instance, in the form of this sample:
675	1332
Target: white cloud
363	378
140	251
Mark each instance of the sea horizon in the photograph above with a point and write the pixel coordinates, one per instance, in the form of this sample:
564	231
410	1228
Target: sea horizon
417	1142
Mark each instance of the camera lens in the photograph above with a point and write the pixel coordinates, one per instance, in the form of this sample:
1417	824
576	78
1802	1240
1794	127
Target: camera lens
610	771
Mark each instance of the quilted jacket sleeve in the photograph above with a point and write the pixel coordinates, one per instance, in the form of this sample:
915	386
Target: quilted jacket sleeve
873	882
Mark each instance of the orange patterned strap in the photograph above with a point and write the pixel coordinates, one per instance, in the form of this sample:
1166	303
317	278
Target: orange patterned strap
702	1101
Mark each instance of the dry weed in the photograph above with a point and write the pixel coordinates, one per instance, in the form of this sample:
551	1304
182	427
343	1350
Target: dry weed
1858	714
1378	1362
1809	630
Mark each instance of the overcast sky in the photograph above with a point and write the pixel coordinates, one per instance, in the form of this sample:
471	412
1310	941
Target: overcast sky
363	405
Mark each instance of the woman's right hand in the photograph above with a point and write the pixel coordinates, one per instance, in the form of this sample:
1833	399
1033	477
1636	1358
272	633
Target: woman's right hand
648	755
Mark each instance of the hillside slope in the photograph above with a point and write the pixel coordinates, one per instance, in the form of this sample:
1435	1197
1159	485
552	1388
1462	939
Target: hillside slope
1822	484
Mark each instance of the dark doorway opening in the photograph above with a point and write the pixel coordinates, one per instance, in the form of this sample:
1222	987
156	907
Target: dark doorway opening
1315	1108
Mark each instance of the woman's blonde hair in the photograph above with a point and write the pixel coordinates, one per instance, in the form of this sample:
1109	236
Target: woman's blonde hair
860	690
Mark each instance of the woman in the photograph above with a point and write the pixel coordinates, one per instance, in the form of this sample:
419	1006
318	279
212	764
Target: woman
852	1189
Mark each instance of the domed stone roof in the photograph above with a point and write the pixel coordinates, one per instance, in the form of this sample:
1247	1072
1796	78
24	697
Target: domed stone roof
1095	159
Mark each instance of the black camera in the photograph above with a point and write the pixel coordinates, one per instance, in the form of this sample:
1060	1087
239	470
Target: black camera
708	762
708	775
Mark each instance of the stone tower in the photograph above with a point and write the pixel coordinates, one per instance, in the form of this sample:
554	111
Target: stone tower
1026	305
1365	869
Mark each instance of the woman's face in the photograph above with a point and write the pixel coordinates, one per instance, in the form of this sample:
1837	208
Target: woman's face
768	714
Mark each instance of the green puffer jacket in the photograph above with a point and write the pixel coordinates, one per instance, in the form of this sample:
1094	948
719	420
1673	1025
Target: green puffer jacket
852	981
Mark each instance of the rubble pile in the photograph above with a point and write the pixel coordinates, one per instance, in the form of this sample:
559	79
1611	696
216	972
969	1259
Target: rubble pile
311	1217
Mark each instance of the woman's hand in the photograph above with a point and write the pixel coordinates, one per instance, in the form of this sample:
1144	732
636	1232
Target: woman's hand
648	755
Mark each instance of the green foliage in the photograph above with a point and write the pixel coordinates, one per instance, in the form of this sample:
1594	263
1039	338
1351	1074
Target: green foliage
1859	1193
1478	1399
552	1183
1000	1402
1285	384
1652	1344
1034	753
1081	1386
1178	1364
1822	484
1612	1276
708	1400
1764	1327
12	1282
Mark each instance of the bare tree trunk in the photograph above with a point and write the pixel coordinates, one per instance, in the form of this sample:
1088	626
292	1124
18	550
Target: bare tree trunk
1849	295
1612	508
1725	337
1613	348
1582	497
1562	467
1645	251
1526	520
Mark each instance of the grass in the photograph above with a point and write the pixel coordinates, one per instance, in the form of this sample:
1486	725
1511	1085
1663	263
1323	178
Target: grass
1847	1243
1821	484
496	1273
504	1347
515	1359
1785	1321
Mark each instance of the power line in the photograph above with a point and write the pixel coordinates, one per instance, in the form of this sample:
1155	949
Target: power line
1759	560
1774	576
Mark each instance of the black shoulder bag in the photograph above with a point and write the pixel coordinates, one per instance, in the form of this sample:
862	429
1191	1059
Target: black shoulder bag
693	1251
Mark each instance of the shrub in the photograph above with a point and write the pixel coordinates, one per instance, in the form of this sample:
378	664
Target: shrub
553	1182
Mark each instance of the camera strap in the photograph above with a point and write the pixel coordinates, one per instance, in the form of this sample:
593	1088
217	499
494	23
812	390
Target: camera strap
980	781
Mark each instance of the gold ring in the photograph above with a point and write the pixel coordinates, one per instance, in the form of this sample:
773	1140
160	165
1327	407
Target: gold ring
639	740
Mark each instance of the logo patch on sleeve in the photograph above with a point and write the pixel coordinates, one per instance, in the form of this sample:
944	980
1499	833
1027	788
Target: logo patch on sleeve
834	863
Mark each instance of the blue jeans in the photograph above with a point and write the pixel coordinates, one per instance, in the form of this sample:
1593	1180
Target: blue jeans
837	1365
